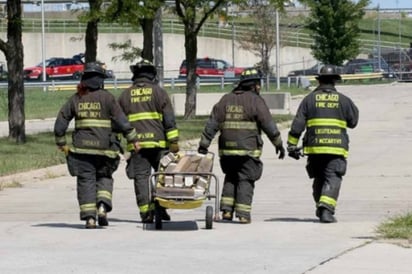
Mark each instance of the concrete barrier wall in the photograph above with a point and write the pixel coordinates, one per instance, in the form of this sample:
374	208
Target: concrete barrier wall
69	44
278	103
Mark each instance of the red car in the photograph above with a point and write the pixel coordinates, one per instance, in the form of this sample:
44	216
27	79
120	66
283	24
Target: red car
56	68
210	67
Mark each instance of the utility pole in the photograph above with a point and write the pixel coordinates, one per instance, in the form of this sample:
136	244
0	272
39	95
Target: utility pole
158	45
277	52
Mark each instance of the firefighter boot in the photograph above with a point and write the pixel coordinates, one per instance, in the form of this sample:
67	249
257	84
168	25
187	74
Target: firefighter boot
244	220
102	215
326	216
147	217
90	222
227	215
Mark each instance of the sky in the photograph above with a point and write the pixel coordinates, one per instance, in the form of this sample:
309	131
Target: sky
391	4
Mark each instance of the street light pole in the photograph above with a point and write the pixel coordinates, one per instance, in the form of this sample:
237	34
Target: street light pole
379	39
277	52
42	42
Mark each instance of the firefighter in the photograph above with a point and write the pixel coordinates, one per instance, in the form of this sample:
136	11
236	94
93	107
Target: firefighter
241	116
149	110
94	155
324	115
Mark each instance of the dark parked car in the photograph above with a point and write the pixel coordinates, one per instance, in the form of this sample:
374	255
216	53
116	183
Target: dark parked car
309	71
368	66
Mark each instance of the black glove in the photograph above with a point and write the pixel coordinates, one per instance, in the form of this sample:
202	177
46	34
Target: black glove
202	150
294	152
281	151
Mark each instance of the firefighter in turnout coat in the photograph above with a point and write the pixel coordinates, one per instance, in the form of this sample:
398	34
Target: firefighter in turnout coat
149	110
241	116
325	114
94	155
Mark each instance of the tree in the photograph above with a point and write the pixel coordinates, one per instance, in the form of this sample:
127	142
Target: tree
193	14
335	29
136	13
13	51
260	39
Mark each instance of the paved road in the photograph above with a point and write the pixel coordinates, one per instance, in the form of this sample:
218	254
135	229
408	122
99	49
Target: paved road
40	231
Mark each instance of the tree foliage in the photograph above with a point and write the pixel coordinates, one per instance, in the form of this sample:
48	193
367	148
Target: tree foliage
260	39
335	29
138	14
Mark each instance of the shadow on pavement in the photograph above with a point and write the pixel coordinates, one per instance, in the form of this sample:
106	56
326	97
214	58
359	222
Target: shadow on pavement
61	225
304	220
173	226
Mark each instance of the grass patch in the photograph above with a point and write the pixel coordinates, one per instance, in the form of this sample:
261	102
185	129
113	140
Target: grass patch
399	227
41	104
40	150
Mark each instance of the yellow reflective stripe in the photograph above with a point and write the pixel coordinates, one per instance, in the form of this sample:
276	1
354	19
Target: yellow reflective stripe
326	150
238	125
145	116
172	134
108	153
88	207
326	122
146	208
292	140
104	194
148	144
92	123
230	152
229	201
243	207
327	200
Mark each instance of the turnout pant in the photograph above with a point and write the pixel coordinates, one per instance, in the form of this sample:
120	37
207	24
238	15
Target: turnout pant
241	172
139	167
94	181
327	172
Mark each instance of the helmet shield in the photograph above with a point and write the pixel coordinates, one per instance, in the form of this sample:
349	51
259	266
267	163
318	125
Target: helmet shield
144	68
94	68
250	74
329	72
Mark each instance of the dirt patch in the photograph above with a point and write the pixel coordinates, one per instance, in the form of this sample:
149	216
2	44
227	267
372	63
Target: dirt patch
407	243
19	179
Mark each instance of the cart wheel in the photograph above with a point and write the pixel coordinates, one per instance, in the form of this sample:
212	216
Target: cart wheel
158	216
209	217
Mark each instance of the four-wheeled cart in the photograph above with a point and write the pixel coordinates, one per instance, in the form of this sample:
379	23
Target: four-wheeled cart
183	181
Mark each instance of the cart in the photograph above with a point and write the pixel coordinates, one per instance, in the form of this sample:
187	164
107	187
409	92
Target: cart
183	181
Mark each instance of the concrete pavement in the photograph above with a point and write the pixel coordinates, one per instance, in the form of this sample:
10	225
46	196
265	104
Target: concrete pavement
40	231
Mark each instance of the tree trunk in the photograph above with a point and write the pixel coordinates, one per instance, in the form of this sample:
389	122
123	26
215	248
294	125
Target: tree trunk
92	33
14	57
91	41
147	26
191	87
